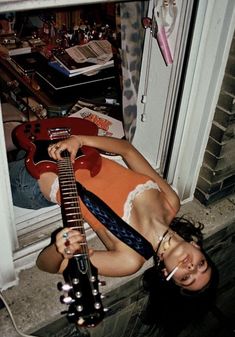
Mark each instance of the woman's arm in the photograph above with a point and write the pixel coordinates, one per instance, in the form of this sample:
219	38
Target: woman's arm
120	261
50	259
131	156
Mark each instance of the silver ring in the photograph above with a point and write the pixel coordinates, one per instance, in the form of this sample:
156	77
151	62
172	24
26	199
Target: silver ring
65	235
67	251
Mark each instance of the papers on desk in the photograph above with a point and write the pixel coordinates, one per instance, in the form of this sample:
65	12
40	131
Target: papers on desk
107	125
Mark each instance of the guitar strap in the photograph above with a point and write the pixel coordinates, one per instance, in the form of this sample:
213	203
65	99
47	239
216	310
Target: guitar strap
114	223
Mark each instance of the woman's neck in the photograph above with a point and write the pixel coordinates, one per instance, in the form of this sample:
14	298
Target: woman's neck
170	241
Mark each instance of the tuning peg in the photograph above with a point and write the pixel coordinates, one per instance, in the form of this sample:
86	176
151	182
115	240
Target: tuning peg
64	312
80	321
102	283
64	287
66	299
59	286
102	296
106	309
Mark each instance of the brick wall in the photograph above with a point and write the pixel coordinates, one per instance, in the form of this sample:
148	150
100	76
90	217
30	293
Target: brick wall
217	174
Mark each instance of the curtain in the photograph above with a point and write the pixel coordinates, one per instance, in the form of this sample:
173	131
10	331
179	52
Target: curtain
132	38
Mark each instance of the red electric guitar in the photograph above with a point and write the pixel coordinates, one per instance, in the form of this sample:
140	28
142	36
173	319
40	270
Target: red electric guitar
36	136
81	292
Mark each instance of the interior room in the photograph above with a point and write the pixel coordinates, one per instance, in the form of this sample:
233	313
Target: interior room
159	74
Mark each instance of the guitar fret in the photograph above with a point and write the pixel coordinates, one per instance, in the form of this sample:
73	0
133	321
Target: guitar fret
70	208
72	220
70	203
68	186
75	213
66	177
67	191
69	197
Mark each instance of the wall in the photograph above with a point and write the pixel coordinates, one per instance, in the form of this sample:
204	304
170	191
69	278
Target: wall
217	174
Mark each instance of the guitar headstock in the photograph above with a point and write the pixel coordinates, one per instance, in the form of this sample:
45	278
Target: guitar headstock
81	292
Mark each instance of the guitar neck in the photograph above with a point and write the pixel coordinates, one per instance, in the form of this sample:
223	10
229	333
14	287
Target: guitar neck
70	205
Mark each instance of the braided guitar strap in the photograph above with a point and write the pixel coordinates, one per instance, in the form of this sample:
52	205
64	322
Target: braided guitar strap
114	223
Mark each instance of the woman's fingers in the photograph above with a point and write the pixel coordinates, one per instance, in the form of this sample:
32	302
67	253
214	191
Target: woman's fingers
71	144
56	149
70	242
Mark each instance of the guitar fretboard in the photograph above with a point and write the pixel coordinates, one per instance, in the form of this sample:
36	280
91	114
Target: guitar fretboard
70	205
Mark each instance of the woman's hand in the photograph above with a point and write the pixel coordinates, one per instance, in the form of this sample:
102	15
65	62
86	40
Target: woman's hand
71	144
70	241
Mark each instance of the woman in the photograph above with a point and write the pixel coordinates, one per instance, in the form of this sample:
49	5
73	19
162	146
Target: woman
143	199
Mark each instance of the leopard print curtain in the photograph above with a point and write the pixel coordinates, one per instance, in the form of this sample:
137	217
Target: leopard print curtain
132	38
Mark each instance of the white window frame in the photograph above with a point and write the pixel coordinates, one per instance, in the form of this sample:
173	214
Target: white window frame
214	29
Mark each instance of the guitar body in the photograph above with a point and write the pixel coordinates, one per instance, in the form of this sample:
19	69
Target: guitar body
35	137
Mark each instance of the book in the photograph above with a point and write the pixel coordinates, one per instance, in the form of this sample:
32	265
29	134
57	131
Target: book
28	63
58	82
73	67
86	70
61	69
96	51
15	51
19	51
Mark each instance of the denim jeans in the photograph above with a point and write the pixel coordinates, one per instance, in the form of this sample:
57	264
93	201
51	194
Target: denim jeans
25	189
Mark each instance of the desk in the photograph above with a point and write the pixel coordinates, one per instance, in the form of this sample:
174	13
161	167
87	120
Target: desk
58	102
29	88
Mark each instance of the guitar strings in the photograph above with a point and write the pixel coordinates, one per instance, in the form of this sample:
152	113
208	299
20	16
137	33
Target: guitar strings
65	167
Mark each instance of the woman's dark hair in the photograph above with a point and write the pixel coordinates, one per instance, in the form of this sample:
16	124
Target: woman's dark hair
188	230
169	305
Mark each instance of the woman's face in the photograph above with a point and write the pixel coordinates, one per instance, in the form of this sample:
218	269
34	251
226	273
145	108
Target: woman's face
193	271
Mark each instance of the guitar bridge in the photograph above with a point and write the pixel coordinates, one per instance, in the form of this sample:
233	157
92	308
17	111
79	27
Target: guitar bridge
59	133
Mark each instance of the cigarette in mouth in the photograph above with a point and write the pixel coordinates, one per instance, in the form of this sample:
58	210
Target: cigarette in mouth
173	272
